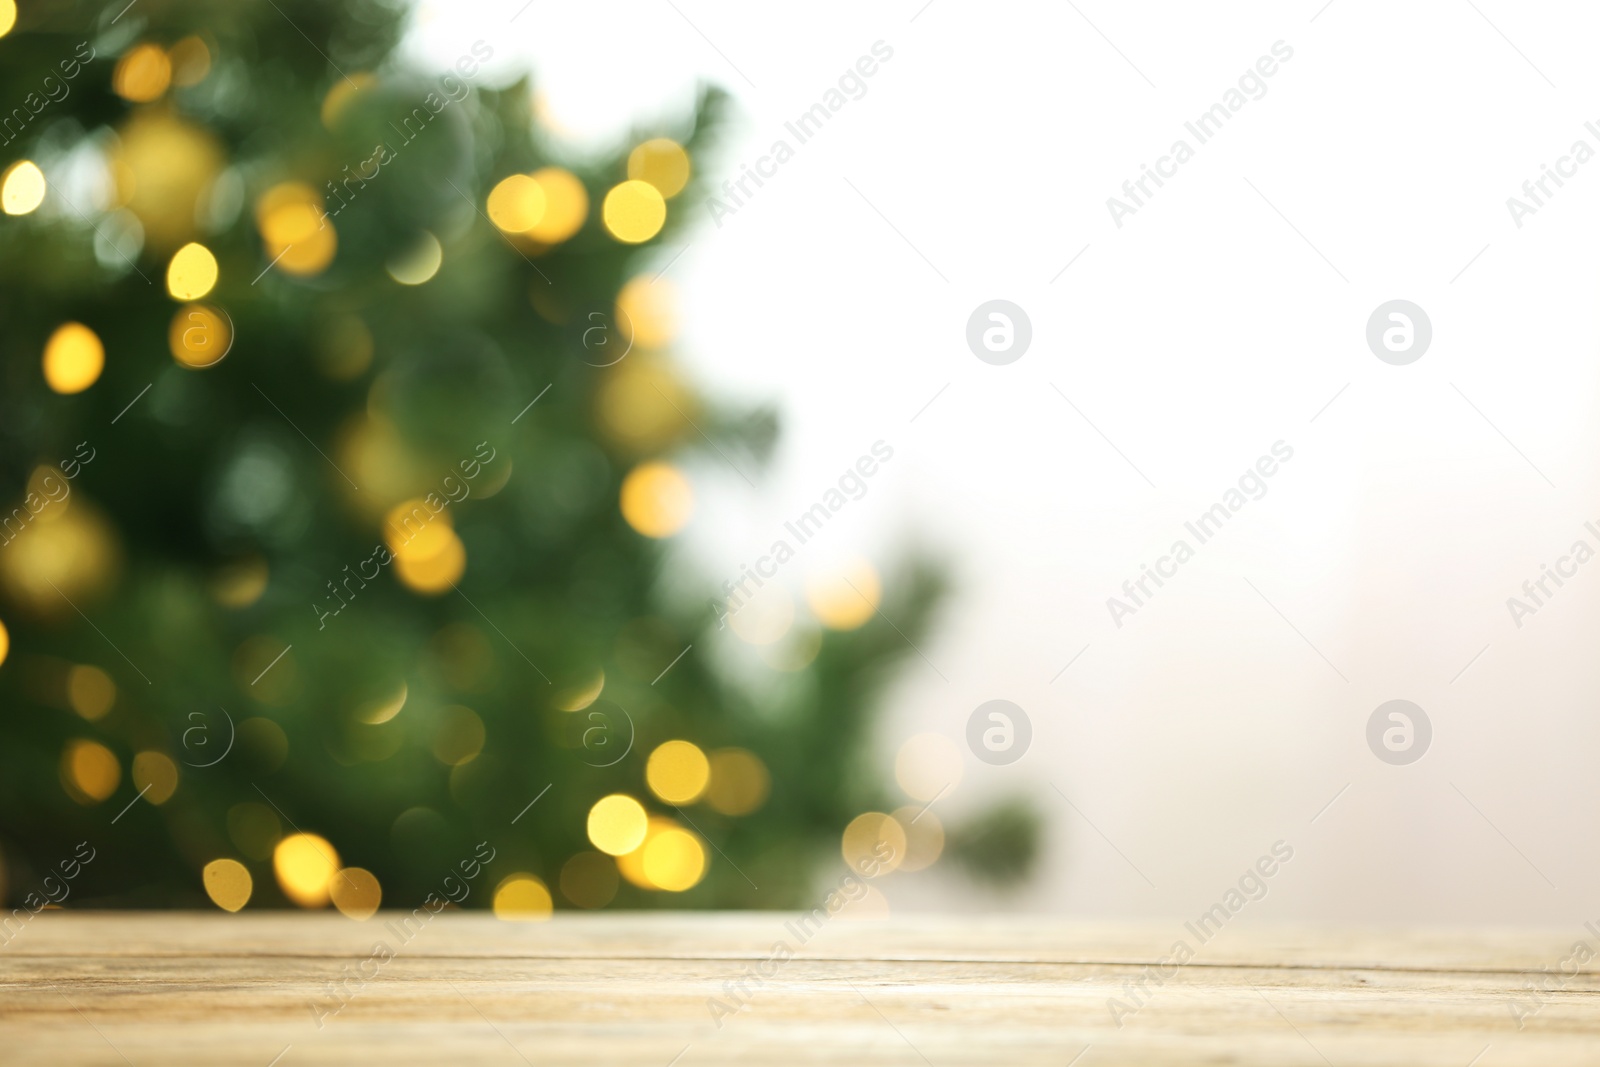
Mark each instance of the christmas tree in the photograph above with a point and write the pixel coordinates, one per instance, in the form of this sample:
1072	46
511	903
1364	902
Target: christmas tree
345	453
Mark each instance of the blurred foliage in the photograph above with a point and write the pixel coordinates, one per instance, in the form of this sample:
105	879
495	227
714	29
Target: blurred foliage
199	604
999	846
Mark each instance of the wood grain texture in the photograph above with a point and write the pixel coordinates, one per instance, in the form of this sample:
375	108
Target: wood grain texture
182	989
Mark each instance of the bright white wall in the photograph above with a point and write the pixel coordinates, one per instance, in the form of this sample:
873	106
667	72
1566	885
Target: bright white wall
1194	337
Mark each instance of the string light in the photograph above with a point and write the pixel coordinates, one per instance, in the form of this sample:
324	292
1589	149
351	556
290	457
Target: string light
634	212
73	358
227	883
89	771
644	306
845	597
656	499
90	691
200	335
142	74
22	188
924	837
616	824
299	238
928	766
874	842
355	893
566	205
192	273
577	697
674	860
522	897
516	204
155	776
191	62
419	262
678	772
304	864
661	162
342	95
739	782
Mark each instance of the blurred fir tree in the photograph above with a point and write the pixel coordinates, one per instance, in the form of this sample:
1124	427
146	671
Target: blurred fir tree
296	580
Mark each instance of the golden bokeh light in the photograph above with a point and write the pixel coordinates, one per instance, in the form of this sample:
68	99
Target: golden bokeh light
288	213
46	482
192	272
90	691
155	776
73	358
740	782
414	530
164	167
580	695
657	499
871	906
765	618
631	864
80	556
566	205
200	335
89	771
295	230
677	772
663	163
459	736
418	262
371	447
355	893
228	884
309	256
645	306
342	95
376	712
589	880
516	204
634	212
22	188
254	828
240	583
643	405
437	572
142	74
5	643
924	837
304	864
8	16
428	556
191	61
522	897
928	766
674	860
845	596
874	844
616	824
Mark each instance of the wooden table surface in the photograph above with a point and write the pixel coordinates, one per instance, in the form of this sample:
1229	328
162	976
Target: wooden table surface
686	989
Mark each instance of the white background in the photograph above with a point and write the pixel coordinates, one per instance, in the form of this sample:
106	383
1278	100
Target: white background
1194	337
